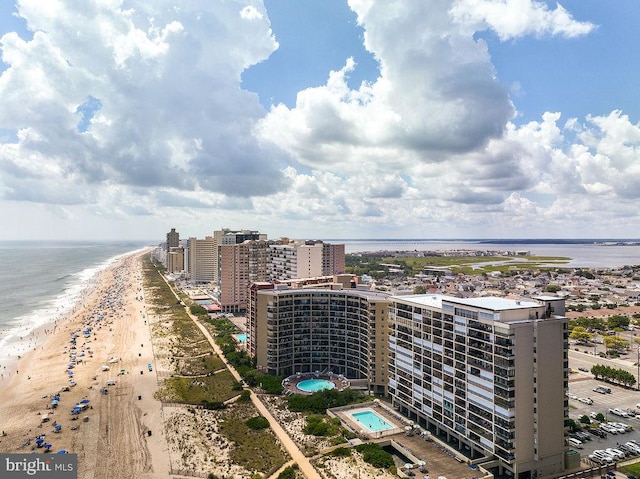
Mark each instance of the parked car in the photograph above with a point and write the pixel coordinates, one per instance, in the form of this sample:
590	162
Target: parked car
583	369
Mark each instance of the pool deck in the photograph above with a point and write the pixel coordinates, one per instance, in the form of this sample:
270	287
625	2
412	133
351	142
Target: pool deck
290	384
413	444
345	415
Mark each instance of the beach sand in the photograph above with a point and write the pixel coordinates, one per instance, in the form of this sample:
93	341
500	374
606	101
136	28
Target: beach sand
120	434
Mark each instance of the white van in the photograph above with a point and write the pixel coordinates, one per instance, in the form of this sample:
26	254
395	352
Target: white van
574	443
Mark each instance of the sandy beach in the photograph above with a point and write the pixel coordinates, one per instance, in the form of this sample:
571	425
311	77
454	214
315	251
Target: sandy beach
118	431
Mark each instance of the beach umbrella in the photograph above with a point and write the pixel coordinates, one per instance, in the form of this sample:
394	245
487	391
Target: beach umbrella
58	427
408	466
39	442
47	447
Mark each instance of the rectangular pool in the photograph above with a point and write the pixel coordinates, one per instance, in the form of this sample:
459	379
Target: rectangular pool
371	421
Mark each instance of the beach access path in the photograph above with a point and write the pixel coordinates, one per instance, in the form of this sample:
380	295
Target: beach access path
294	451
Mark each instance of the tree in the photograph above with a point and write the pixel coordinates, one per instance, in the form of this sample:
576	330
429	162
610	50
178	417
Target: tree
580	335
615	343
584	419
571	424
419	289
553	288
618	321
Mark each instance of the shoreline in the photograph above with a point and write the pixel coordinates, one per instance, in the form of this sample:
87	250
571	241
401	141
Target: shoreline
19	340
115	439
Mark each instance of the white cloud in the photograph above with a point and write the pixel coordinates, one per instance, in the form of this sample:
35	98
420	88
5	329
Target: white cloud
165	81
514	18
427	149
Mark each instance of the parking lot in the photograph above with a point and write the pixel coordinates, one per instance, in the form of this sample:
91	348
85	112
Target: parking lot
582	385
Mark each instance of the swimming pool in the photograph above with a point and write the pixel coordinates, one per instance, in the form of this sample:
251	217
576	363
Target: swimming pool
315	385
241	337
371	421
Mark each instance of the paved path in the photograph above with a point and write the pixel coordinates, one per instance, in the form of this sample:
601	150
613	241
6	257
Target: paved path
294	451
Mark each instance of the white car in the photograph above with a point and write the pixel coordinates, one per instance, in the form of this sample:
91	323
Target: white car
615	453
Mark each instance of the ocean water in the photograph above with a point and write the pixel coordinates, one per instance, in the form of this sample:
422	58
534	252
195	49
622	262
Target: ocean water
42	280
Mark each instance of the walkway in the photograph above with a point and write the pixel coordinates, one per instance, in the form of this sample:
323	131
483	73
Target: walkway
294	451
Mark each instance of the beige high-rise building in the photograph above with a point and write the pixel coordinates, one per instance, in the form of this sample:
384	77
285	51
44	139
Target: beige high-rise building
175	260
240	265
333	258
315	329
203	259
486	374
226	236
306	259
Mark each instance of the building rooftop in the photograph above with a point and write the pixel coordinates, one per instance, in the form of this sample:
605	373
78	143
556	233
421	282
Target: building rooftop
493	303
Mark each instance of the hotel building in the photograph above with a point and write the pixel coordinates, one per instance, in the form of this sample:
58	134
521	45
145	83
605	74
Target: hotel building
240	265
306	259
487	375
173	239
202	260
175	260
320	329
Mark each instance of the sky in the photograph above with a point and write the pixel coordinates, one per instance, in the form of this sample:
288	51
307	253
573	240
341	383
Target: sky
122	119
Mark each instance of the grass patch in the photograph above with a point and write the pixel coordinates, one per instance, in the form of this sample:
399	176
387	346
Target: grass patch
255	449
215	388
633	469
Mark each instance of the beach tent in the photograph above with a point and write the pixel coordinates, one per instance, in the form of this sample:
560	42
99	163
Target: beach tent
84	401
57	428
44	417
105	367
62	451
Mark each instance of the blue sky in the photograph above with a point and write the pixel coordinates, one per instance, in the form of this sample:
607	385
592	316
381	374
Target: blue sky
406	118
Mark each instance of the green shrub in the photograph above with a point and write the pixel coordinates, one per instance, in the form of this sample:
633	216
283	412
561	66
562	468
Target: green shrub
375	455
288	473
257	422
340	452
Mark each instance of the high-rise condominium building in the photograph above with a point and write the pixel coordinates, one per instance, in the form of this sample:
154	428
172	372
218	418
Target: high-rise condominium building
226	236
333	259
202	259
308	330
173	239
240	265
175	260
306	259
486	374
